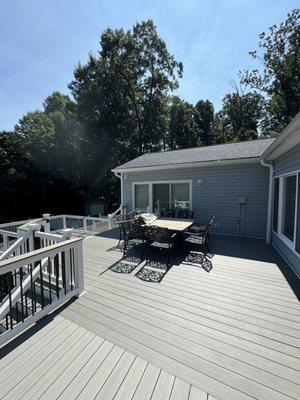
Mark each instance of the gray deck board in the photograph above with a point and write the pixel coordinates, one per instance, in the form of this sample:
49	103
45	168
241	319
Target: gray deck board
230	334
233	332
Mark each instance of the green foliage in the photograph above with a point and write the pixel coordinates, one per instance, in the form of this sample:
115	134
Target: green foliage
239	117
204	120
122	91
279	78
59	158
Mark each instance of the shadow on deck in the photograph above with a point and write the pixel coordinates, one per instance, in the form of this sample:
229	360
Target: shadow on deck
229	246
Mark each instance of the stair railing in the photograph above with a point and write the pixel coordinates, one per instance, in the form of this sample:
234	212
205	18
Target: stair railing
47	277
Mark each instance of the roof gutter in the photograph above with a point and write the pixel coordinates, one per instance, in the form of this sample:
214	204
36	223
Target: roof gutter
188	165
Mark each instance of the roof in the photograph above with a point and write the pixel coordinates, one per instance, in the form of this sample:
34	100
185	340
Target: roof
288	138
222	152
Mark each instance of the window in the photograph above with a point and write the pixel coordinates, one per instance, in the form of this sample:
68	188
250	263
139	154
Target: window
141	198
286	210
275	204
180	196
158	196
298	218
288	206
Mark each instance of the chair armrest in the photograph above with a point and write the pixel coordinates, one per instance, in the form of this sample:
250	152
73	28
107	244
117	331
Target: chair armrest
200	233
126	220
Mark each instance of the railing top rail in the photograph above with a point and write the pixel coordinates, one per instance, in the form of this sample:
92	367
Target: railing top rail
12	248
14	223
116	212
25	227
36	255
50	236
80	217
8	233
57	216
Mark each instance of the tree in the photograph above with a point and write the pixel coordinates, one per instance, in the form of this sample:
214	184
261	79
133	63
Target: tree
36	131
126	85
279	78
204	120
121	99
239	117
183	129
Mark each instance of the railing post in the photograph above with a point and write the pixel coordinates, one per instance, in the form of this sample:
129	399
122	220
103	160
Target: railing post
67	233
84	225
46	222
32	228
64	222
109	220
79	279
5	242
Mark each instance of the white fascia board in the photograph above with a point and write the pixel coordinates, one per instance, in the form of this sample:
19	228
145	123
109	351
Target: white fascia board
250	160
288	138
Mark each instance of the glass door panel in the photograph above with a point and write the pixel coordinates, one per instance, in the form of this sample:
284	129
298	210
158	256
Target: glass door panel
161	197
141	198
180	196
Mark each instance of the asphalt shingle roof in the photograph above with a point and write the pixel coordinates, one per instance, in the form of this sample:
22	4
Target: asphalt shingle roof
220	152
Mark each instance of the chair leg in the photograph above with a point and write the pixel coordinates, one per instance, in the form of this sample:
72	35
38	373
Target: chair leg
125	247
206	244
209	240
120	237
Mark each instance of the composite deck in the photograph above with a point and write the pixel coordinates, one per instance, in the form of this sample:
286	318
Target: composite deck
232	333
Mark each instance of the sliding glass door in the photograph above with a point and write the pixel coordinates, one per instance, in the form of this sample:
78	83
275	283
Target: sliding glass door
158	196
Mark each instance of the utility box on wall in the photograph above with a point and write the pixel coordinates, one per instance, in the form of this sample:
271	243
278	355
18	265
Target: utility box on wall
242	199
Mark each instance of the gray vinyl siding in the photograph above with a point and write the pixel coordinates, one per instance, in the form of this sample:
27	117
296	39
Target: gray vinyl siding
286	163
221	185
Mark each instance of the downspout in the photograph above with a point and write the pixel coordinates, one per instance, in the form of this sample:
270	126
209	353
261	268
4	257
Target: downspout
270	199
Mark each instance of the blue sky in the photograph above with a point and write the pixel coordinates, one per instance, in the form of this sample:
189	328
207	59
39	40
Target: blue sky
41	42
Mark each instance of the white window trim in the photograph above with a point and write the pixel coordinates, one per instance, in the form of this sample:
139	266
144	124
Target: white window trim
290	244
151	183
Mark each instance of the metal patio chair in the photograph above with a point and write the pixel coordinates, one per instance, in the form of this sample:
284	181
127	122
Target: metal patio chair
199	235
167	213
132	233
185	214
161	239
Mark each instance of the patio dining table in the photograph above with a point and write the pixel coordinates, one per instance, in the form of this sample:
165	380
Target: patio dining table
173	224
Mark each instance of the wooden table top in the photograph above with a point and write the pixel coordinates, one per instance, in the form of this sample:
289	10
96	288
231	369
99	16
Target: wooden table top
173	224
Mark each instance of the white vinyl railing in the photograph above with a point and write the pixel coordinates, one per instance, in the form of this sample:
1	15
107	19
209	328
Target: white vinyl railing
36	282
41	266
82	224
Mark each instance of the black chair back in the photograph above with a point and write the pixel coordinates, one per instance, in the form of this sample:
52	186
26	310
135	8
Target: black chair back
210	221
185	214
159	235
167	213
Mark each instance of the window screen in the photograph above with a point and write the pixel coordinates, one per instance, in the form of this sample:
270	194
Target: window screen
289	204
298	219
275	204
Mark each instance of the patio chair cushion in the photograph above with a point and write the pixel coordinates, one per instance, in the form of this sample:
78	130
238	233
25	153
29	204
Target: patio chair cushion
148	217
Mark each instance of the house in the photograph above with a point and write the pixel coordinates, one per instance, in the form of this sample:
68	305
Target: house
283	158
251	187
